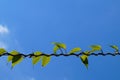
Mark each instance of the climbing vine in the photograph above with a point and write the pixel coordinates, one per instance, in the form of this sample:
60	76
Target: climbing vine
16	57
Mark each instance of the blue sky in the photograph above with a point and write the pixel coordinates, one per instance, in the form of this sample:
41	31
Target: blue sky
28	26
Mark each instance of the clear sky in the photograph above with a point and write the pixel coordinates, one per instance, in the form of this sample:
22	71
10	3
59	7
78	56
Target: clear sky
32	25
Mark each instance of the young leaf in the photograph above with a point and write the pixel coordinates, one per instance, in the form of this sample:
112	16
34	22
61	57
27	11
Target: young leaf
16	60
55	49
45	60
115	47
35	59
2	51
74	50
60	45
87	53
84	60
11	57
96	47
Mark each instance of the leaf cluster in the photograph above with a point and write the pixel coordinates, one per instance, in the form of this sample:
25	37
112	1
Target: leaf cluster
15	57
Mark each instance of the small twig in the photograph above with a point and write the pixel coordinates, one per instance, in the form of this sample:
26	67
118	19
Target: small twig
62	54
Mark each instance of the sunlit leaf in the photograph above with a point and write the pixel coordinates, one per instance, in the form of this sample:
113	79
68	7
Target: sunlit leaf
45	60
35	59
74	50
55	49
115	47
84	60
11	57
2	51
60	45
16	60
87	53
95	47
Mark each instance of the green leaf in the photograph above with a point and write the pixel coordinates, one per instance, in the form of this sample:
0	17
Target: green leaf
55	49
2	51
45	60
96	47
16	60
59	45
11	57
74	50
62	46
84	60
115	47
35	60
87	52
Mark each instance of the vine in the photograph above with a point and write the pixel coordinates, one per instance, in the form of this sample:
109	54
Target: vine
16	57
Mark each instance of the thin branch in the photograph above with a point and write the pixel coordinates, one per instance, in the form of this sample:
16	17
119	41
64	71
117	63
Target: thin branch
65	55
